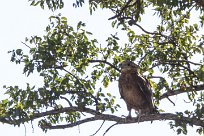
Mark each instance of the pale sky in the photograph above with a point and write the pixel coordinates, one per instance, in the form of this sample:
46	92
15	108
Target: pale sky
19	20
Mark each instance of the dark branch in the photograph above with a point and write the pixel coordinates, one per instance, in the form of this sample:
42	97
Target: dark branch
120	120
121	11
98	129
46	113
152	33
179	91
103	61
26	45
6	121
157	77
70	104
147	32
171	101
109	128
106	117
187	61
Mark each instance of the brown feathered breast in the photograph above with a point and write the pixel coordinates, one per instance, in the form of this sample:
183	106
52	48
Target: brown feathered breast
134	89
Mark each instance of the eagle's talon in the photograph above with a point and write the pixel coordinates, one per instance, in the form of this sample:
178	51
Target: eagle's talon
126	117
138	118
129	117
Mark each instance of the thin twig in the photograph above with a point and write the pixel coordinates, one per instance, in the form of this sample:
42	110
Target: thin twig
26	45
156	77
103	61
109	128
70	104
152	33
98	129
171	101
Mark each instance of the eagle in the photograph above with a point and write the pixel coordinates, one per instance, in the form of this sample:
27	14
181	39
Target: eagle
135	90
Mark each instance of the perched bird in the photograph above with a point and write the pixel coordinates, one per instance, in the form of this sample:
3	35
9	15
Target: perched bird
135	90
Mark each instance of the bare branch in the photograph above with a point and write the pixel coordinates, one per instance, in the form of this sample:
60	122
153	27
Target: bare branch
98	129
171	101
109	128
108	63
157	77
187	61
26	45
152	33
120	120
70	104
106	117
179	91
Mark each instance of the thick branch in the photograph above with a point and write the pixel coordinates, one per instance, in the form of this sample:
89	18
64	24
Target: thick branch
120	120
106	117
179	91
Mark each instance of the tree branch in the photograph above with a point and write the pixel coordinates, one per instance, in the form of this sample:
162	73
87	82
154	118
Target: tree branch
120	13
147	32
98	129
151	33
187	61
62	110
103	61
26	45
179	91
109	128
7	120
105	117
120	120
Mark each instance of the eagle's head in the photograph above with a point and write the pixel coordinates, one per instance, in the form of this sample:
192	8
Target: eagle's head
128	66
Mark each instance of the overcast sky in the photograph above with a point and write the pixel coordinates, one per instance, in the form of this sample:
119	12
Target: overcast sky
19	20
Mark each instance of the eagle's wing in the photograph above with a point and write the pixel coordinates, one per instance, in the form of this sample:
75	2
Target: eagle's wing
120	86
145	88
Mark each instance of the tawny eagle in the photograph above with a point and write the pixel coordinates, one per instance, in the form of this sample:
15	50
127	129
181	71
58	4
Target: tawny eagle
135	90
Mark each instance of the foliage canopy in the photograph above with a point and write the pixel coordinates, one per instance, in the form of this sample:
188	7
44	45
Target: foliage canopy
73	64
